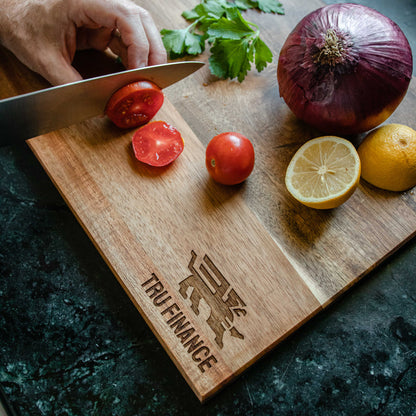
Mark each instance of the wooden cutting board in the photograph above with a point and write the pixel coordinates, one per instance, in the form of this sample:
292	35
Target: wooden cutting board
220	274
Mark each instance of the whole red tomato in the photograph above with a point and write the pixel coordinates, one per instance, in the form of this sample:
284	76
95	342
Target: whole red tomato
229	158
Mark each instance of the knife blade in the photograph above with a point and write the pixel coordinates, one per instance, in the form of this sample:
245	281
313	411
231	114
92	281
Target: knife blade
29	115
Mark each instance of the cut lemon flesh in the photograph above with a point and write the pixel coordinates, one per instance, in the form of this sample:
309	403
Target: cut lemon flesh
324	172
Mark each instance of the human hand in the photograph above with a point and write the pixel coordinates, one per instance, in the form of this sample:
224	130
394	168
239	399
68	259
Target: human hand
44	34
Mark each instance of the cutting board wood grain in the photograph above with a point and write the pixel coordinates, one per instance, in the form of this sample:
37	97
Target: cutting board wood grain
220	274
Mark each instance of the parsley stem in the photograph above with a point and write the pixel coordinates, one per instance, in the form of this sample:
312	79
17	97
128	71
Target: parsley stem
252	24
193	25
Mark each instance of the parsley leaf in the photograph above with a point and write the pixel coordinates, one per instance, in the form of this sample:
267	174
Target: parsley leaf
230	58
267	6
263	54
234	42
230	29
246	4
270	6
182	42
235	47
207	11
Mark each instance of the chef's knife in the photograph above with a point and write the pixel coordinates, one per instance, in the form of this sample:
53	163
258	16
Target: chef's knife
39	112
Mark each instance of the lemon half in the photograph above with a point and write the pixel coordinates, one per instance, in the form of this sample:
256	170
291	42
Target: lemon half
324	172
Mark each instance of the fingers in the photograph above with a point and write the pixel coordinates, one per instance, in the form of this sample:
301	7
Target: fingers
141	38
44	34
52	65
157	51
136	39
99	38
119	48
58	71
53	59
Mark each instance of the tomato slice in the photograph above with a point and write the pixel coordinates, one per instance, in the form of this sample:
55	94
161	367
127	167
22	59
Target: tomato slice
157	143
134	104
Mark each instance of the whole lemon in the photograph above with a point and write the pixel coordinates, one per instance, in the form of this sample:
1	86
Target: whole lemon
388	157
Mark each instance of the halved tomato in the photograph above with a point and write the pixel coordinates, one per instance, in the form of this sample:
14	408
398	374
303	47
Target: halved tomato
134	104
157	143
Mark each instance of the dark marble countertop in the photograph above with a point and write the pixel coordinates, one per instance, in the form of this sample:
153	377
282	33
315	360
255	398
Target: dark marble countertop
72	343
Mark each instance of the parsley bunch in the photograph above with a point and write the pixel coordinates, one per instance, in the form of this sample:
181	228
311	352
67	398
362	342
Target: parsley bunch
234	42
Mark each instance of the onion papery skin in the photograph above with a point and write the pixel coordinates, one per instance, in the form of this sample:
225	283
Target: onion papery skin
360	86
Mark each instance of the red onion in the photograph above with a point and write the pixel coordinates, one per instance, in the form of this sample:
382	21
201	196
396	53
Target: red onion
344	68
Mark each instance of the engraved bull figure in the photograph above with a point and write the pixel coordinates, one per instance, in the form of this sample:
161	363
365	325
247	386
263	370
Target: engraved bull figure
216	292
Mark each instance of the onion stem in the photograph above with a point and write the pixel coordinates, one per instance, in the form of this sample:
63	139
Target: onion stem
332	51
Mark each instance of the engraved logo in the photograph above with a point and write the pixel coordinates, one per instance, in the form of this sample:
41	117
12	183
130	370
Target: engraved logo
209	284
